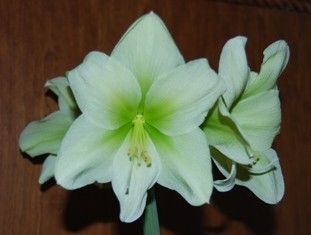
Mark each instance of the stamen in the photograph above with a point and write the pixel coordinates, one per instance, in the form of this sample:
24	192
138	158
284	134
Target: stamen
264	169
252	156
137	150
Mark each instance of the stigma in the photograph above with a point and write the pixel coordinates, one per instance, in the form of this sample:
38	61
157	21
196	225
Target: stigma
137	151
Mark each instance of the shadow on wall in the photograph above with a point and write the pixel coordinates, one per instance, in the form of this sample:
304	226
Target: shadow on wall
241	205
92	205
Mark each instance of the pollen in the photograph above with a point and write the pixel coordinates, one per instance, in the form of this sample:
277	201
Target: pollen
137	151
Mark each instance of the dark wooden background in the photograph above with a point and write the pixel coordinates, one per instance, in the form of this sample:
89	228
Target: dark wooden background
42	39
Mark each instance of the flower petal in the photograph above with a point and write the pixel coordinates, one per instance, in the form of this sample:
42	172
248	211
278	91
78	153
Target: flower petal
148	50
233	68
222	134
268	186
86	154
186	165
130	181
45	136
106	92
259	118
66	101
179	102
228	183
48	169
275	59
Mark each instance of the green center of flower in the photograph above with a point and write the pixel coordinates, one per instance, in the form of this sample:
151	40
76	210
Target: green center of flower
137	151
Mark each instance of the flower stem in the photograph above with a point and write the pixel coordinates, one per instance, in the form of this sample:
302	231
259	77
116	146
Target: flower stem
151	220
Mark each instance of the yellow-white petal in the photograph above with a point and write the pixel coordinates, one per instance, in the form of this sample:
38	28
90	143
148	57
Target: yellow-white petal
86	154
66	101
233	68
48	169
45	136
107	93
225	185
275	59
130	181
267	186
186	165
178	102
223	135
148	50
259	118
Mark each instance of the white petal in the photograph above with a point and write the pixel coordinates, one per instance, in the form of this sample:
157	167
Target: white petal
276	57
106	92
222	134
66	101
45	136
179	102
148	50
259	118
86	154
130	181
269	187
223	163
233	68
48	168
186	165
228	183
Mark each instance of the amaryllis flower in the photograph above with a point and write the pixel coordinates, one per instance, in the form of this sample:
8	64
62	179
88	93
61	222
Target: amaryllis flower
246	119
44	136
141	111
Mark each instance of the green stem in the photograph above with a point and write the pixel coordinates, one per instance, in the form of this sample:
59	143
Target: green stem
151	221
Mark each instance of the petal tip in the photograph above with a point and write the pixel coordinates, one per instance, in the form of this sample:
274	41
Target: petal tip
23	141
63	181
237	40
279	46
41	180
153	15
94	58
127	219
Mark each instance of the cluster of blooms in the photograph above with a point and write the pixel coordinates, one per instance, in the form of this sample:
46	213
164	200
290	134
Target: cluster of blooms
143	116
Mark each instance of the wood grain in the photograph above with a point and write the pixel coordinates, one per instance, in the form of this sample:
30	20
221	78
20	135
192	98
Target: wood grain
42	39
301	6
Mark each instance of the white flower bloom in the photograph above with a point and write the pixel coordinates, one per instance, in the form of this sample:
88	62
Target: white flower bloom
246	119
45	136
141	111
